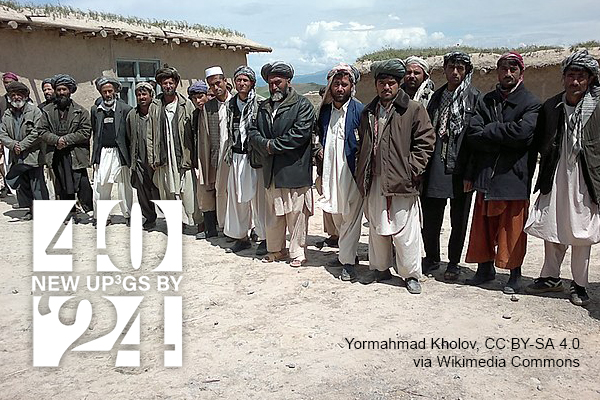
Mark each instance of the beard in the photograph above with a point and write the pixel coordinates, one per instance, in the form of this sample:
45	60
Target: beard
108	103
18	104
62	102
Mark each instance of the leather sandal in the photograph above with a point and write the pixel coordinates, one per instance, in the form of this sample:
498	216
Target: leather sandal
276	256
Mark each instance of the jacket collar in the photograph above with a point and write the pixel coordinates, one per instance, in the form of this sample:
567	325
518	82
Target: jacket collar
400	102
291	99
514	97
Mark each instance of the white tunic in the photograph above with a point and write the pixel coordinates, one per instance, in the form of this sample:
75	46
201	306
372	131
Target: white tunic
339	187
172	173
567	215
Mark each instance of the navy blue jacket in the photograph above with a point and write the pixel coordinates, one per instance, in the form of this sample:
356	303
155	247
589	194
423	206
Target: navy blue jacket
355	109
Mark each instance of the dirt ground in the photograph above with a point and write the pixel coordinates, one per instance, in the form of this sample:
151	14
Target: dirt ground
269	331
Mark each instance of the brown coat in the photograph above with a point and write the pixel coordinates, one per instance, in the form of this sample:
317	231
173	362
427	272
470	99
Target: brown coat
406	143
207	172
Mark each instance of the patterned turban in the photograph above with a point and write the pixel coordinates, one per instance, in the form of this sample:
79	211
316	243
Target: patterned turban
17	87
65	80
420	62
10	75
197	88
146	86
394	67
458	57
48	80
103	80
512	55
166	73
245	70
581	59
345	69
279	68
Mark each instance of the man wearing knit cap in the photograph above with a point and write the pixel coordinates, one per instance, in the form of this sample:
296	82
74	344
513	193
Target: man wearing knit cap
173	149
417	84
450	110
197	93
216	117
396	142
18	133
566	213
500	134
143	123
111	147
66	127
282	135
338	121
7	78
245	189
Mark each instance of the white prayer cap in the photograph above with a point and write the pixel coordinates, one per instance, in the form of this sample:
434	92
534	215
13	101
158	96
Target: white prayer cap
216	70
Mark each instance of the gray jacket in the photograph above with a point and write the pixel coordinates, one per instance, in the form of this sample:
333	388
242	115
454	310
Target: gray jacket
33	149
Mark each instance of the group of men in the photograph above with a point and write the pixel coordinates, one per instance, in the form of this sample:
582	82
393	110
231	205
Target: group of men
244	164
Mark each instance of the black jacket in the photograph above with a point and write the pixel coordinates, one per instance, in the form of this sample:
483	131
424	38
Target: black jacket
289	136
548	139
500	136
97	114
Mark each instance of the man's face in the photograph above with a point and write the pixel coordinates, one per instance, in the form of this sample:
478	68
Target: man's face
414	76
576	82
218	85
143	97
168	86
387	88
455	73
48	91
107	91
509	74
199	99
278	87
243	84
6	81
62	91
17	100
341	88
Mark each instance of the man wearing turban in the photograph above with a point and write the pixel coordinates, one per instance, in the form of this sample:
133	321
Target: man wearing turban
66	127
245	186
19	134
143	124
566	212
7	78
213	190
500	134
396	142
282	135
450	110
337	124
48	92
417	83
111	147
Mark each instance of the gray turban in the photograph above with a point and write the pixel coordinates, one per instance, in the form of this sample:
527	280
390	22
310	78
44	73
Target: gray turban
420	62
245	70
458	57
48	80
581	59
166	73
65	80
394	67
103	80
146	86
279	68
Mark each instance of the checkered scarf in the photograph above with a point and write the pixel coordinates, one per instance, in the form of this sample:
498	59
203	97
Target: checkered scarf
577	121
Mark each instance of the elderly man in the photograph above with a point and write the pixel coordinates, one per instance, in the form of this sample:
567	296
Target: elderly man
417	84
142	125
245	190
396	142
66	127
338	121
501	132
566	213
111	147
19	134
450	110
282	135
217	119
7	78
173	149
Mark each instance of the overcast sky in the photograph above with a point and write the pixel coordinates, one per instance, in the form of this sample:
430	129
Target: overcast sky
316	34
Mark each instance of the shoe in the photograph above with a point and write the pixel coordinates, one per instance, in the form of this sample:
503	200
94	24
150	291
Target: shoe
127	221
578	295
239	245
261	249
331	241
27	217
253	235
17	206
378	276
413	286
428	266
149	225
485	273
210	226
514	282
348	273
452	272
543	285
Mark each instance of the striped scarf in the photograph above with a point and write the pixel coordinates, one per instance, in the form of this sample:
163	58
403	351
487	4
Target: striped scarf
577	121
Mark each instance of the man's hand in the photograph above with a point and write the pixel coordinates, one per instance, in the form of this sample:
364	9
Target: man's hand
467	186
62	143
17	149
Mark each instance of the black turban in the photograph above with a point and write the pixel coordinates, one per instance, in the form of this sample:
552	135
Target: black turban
65	80
48	80
394	67
279	68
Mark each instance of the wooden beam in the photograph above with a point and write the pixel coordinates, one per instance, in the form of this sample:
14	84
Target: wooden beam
13	24
152	39
196	44
103	33
176	40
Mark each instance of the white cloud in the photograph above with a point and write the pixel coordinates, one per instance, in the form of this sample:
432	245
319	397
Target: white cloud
437	36
355	26
393	17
